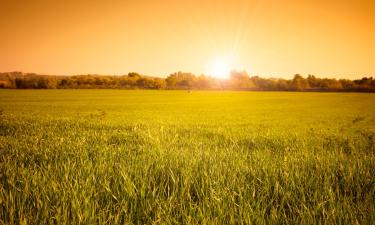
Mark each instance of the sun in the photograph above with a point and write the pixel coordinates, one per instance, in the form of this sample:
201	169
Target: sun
219	68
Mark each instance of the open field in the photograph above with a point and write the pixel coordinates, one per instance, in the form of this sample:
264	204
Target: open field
172	157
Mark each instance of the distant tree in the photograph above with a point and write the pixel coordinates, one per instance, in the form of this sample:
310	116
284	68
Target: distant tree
347	84
335	85
282	85
7	81
134	75
159	83
171	81
299	83
312	81
260	83
181	80
133	79
203	82
241	80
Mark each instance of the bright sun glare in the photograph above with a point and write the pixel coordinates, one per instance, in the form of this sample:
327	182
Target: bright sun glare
219	68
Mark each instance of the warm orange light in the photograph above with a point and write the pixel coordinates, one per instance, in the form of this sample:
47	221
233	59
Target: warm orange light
159	37
220	68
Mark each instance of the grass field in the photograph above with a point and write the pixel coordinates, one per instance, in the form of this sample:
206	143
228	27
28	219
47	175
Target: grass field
172	157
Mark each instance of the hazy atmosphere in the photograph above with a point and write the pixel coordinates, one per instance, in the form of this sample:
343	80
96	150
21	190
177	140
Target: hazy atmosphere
269	38
187	112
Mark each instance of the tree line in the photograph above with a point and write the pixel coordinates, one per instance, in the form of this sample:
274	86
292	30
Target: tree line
238	80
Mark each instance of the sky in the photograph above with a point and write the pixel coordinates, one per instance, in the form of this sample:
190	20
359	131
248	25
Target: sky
270	38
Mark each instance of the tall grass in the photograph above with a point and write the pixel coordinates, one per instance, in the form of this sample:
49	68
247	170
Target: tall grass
165	157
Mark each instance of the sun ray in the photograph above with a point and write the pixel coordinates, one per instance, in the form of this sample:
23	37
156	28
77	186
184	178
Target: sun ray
220	67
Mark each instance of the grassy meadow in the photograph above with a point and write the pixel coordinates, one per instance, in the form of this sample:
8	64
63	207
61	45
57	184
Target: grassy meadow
173	157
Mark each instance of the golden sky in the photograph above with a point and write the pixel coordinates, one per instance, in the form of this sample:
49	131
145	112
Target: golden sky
278	38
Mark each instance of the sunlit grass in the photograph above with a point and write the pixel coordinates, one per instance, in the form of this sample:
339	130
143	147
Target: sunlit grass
172	157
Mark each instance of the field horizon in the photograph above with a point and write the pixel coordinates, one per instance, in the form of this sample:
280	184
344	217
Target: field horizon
187	112
234	80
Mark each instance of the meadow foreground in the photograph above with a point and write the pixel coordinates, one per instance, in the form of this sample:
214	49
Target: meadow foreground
172	157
